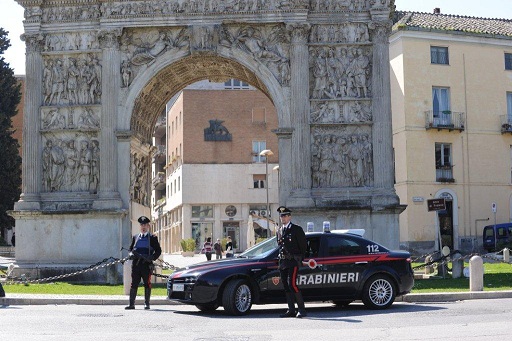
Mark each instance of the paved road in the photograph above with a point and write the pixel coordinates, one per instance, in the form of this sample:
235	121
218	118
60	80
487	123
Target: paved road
475	320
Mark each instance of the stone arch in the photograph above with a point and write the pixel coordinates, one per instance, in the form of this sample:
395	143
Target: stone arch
145	99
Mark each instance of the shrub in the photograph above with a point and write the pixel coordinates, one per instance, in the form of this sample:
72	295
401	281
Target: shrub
188	244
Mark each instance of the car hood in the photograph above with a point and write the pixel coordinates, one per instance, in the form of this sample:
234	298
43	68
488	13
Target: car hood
201	268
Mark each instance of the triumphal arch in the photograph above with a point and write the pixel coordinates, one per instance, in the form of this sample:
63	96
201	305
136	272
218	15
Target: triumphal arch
99	73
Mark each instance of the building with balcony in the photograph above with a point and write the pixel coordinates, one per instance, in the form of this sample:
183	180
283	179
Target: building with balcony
209	179
451	85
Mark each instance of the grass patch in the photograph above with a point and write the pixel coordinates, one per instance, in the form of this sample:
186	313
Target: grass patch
63	288
497	276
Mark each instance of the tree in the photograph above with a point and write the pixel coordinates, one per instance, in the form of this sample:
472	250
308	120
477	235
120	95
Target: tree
10	161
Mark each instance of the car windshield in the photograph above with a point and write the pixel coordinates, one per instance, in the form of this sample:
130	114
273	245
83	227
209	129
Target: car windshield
260	250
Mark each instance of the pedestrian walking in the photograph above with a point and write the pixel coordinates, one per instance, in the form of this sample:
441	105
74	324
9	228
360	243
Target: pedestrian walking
217	247
144	249
207	248
291	240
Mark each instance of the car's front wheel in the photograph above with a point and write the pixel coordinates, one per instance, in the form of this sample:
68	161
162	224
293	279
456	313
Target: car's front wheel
237	297
207	307
379	292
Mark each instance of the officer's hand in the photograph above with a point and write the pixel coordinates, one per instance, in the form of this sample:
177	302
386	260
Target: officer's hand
131	256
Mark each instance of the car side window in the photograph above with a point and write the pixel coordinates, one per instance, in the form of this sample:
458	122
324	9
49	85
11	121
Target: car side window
313	247
342	247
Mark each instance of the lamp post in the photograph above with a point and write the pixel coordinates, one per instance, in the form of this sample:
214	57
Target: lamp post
266	153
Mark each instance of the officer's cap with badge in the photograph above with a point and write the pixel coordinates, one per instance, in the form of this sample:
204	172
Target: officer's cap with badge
143	220
284	211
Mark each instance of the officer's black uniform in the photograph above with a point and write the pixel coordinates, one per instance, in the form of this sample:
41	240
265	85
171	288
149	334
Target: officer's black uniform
292	247
144	249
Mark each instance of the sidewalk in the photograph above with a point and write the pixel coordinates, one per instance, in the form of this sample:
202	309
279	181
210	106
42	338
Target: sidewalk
180	261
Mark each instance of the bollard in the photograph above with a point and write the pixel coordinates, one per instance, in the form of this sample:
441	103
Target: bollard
476	274
429	268
2	292
457	265
127	276
506	255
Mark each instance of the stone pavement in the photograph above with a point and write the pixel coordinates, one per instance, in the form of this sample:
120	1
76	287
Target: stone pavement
180	261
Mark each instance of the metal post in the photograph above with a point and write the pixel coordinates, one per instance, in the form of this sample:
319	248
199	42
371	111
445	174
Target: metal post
266	153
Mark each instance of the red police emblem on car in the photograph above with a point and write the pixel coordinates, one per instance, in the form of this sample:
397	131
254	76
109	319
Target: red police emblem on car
339	266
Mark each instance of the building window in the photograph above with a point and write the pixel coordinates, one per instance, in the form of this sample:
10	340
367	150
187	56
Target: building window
202	211
235	84
257	148
444	171
439	55
509	106
259	180
441	111
508	61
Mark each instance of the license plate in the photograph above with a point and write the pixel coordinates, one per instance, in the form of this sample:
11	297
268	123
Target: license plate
178	287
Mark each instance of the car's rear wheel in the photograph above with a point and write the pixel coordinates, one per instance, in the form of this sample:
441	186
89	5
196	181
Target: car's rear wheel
207	307
379	292
341	303
237	297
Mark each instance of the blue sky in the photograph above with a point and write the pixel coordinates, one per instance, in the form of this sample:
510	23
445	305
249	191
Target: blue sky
11	17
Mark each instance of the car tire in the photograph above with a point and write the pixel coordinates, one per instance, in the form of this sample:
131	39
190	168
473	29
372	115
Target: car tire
209	307
237	297
341	303
379	292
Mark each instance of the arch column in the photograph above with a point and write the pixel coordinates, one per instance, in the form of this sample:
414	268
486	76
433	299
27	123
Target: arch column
300	182
108	195
382	131
32	150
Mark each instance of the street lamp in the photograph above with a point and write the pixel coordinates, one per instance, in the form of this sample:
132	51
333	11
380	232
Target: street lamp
266	153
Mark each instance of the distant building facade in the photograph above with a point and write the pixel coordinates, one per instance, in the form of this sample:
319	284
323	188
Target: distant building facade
208	177
451	85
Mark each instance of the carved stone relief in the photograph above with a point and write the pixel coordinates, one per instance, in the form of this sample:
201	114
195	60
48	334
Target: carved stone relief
71	41
144	46
178	7
72	80
139	174
342	157
344	33
70	13
340	112
340	5
71	163
340	72
82	117
267	44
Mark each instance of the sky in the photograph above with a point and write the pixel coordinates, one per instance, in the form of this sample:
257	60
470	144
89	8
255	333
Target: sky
11	19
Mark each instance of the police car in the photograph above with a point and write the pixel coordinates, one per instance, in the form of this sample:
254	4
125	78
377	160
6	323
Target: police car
340	266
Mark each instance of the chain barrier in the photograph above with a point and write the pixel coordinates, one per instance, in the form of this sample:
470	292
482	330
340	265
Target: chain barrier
101	264
444	260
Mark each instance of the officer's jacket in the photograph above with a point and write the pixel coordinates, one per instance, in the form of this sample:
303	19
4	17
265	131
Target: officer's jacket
292	242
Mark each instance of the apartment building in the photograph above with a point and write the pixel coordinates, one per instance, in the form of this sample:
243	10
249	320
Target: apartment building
209	179
451	85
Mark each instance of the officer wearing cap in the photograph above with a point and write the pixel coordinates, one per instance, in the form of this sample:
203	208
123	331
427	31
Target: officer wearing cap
144	249
292	247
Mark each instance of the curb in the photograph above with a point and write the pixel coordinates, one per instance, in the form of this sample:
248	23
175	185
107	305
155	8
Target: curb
20	299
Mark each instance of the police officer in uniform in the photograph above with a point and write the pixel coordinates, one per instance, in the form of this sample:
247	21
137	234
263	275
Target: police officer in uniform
292	247
144	249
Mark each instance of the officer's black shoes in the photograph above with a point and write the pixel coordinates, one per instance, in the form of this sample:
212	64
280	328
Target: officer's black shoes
301	314
288	314
146	306
130	307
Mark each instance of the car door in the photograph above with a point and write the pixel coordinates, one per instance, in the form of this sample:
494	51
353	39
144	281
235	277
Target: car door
271	286
344	262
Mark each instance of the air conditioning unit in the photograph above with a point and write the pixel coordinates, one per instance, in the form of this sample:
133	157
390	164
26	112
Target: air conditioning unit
263	213
254	212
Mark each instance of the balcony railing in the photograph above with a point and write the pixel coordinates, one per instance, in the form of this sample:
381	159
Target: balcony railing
159	181
159	153
446	119
161	121
444	173
506	124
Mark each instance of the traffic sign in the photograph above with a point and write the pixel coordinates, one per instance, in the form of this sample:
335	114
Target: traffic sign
494	208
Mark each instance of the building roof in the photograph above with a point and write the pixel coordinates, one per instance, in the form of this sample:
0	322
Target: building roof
416	21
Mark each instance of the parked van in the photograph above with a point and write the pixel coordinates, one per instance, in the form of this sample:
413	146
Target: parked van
497	237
